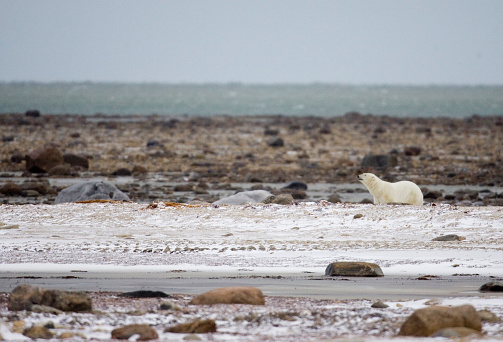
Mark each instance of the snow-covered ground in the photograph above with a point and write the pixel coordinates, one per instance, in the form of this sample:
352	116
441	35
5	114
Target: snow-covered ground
259	239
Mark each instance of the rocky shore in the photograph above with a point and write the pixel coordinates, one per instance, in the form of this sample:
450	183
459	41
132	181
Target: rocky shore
181	159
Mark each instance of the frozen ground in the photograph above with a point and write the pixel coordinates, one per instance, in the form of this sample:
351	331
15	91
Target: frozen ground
259	241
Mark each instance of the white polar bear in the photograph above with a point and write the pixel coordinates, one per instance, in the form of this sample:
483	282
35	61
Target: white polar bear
385	192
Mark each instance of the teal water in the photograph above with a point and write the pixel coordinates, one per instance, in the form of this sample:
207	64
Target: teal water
325	100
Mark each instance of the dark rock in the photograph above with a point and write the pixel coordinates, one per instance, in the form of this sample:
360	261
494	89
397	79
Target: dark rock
325	130
145	332
24	296
275	142
76	160
493	286
153	143
42	160
38	332
166	305
427	321
91	190
8	138
61	170
11	189
334	198
357	216
122	172
412	151
379	305
17	158
456	332
145	294
33	113
353	269
184	187
200	326
432	195
379	161
296	185
271	131
38	187
230	295
449	237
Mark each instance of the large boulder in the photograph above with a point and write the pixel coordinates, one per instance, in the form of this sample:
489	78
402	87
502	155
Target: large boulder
144	332
92	190
25	296
76	160
44	159
200	326
231	295
427	321
252	196
353	269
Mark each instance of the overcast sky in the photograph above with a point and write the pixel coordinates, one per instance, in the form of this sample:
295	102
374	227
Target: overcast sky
255	41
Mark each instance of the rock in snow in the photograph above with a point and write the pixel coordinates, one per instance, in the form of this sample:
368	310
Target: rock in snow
92	190
253	196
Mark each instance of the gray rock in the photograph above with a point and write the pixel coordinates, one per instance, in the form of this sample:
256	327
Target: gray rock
493	286
145	332
353	269
284	199
449	237
379	305
379	161
92	190
253	196
296	185
275	142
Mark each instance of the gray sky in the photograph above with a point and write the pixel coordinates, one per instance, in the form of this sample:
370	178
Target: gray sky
255	41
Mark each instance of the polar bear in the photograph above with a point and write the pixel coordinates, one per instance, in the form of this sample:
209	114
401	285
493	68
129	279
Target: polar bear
385	192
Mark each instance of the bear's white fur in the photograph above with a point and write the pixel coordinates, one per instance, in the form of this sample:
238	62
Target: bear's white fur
385	192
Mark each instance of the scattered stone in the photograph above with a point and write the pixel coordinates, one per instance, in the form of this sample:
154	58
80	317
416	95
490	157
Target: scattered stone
357	216
91	190
493	286
231	295
37	332
334	198
122	172
379	305
283	199
200	326
353	269
11	189
145	294
456	332
76	160
412	151
449	237
42	160
145	332
488	316
252	196
427	321
275	142
167	305
296	185
24	296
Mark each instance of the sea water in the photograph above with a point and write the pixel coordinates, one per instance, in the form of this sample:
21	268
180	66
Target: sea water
323	100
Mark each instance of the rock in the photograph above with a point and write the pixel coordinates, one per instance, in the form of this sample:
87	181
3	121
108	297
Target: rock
449	237
334	198
275	142
271	131
139	170
283	199
184	187
412	151
357	216
37	332
493	286
353	269
426	321
379	305
42	160
11	189
145	332
432	195
24	296
252	178
252	196
33	113
46	309
296	185
76	160
456	332
145	294
200	326
17	157
488	316
379	161
124	172
91	190
230	295
167	305
60	170
154	143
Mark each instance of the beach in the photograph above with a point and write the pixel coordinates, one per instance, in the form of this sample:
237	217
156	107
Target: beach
171	237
